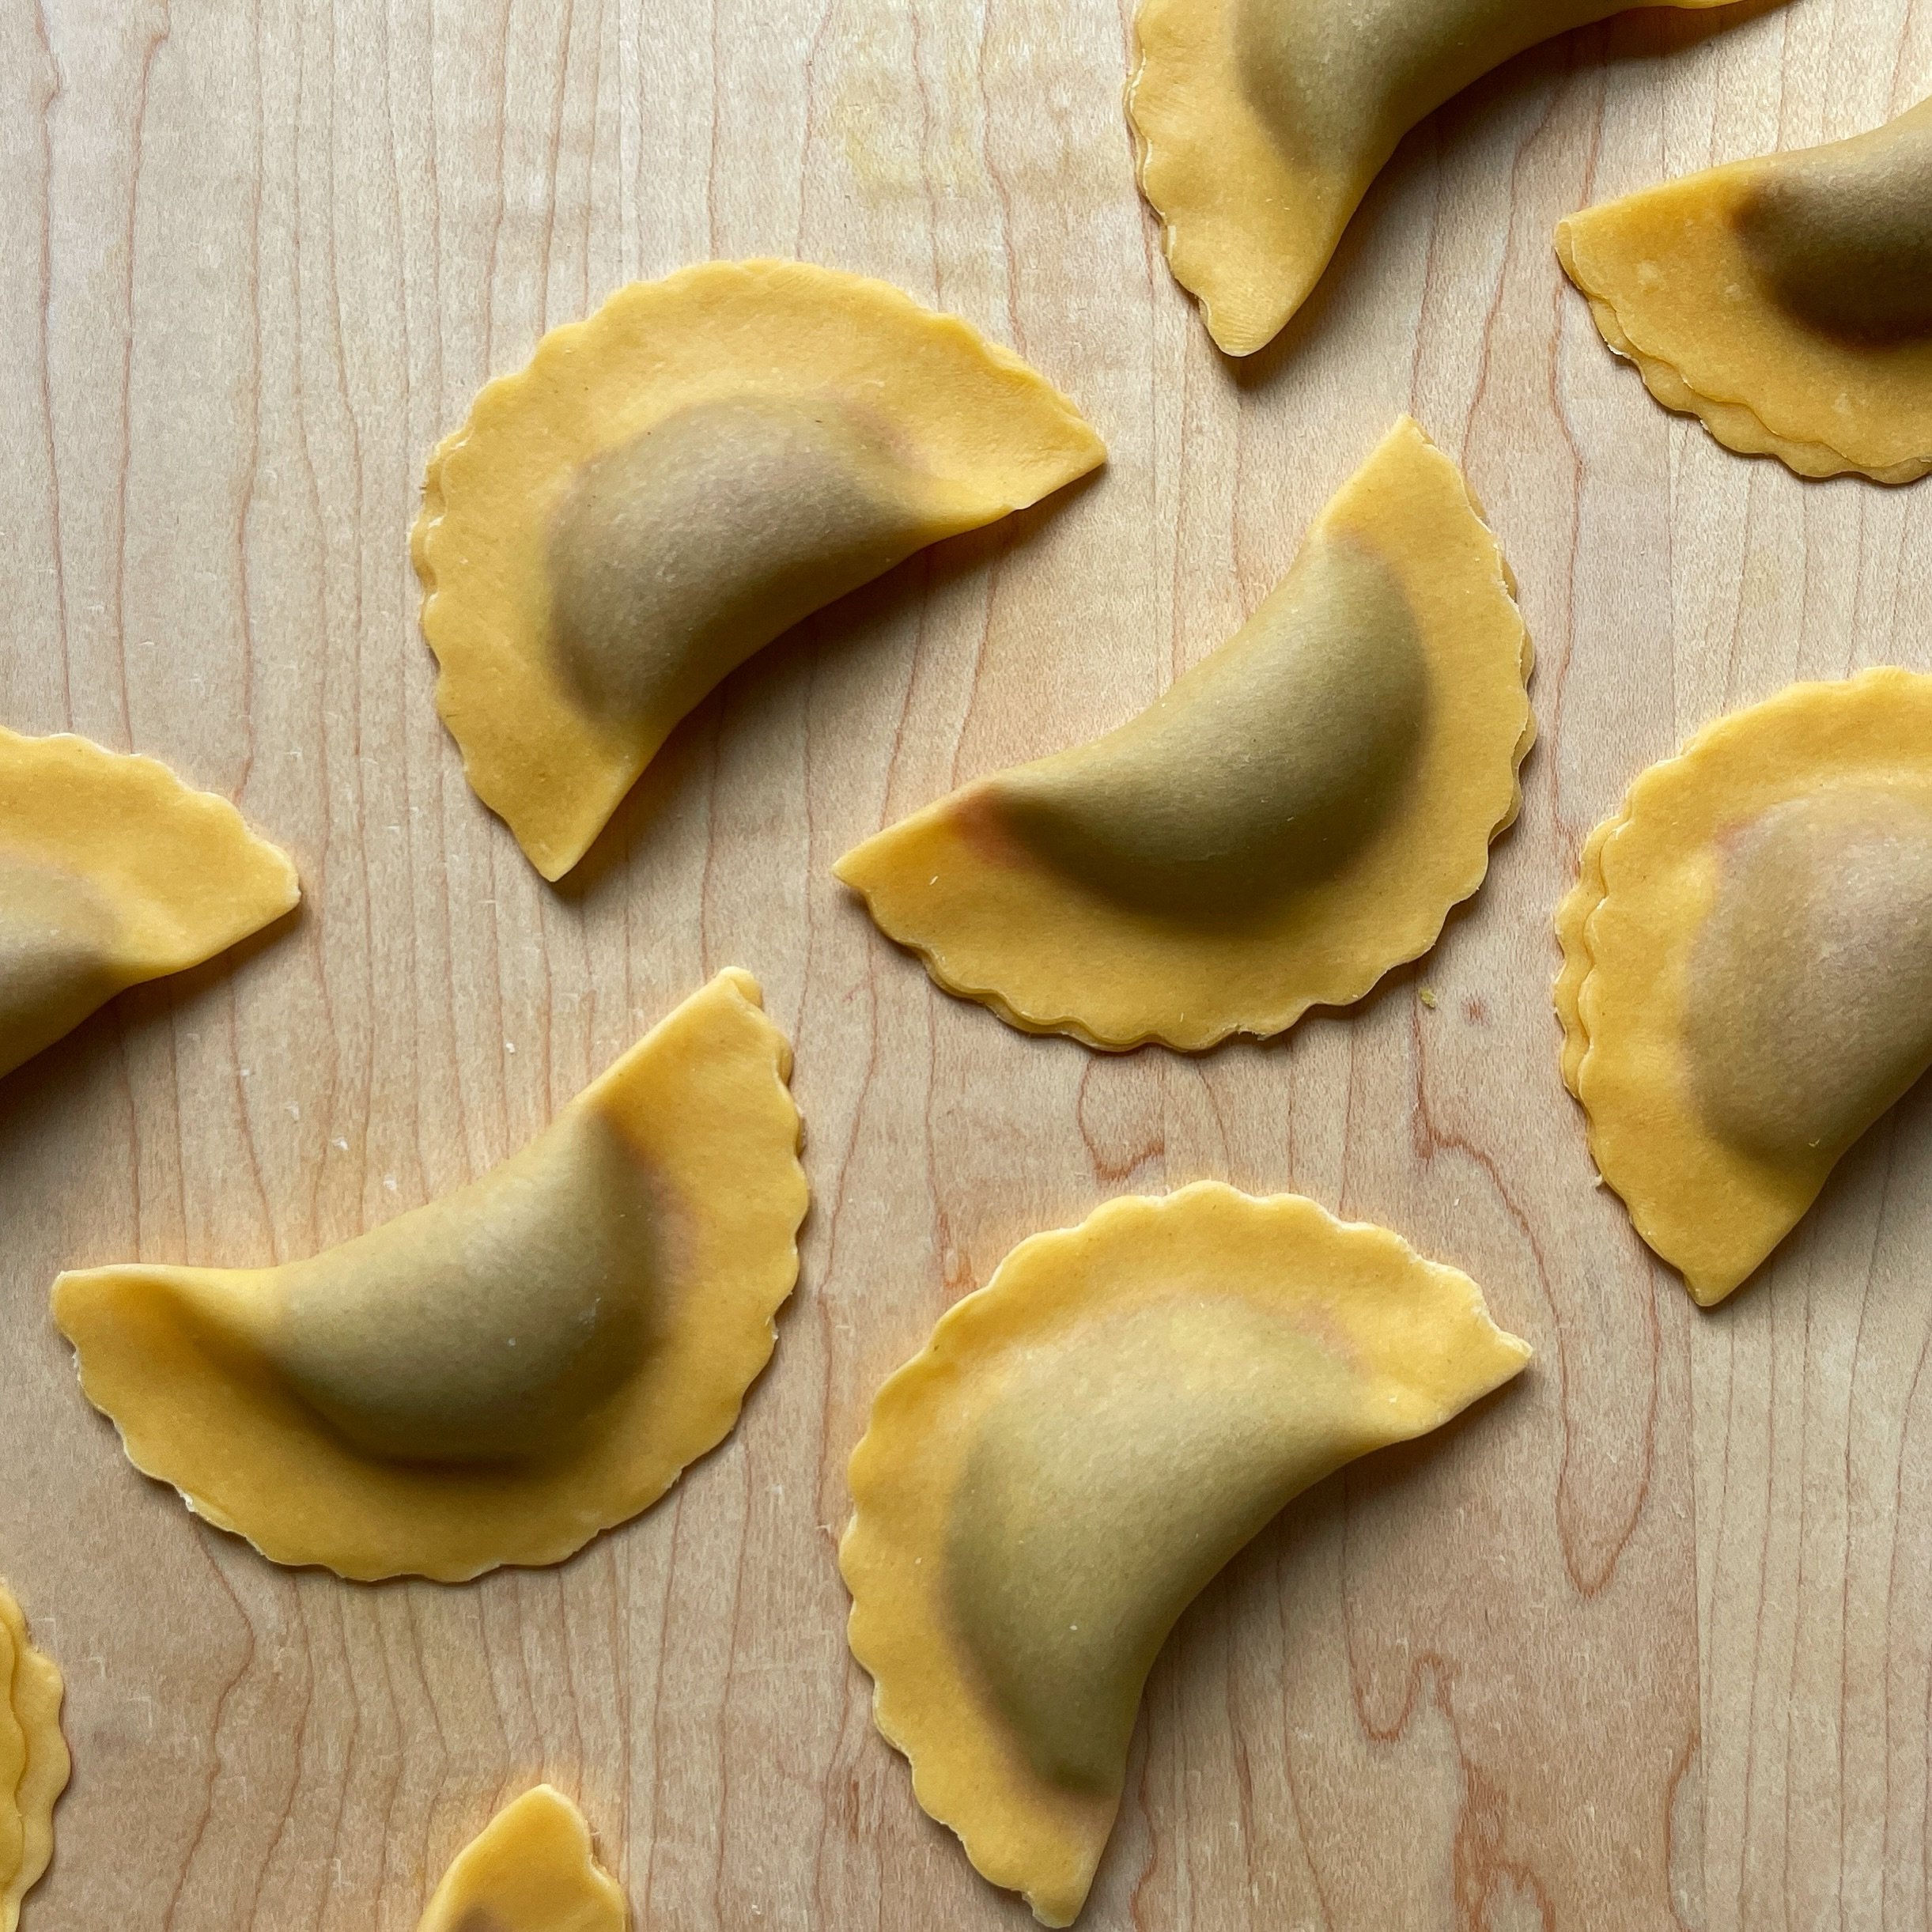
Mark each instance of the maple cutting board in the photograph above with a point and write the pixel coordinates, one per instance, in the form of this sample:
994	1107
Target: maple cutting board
1643	1643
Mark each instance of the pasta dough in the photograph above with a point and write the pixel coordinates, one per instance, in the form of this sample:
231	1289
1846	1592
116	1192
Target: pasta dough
1081	1445
1747	979
670	484
111	872
1294	817
502	1374
531	1870
34	1764
1259	124
1786	302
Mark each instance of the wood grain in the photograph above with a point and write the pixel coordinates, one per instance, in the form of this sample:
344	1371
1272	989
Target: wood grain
1643	1643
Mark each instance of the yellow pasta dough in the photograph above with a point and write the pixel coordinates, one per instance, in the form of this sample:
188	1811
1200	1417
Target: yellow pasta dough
33	1760
111	872
531	1870
669	485
502	1374
1297	814
1260	123
1081	1445
1747	978
1786	302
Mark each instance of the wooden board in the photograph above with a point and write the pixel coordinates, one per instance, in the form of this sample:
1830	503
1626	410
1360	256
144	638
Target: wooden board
1643	1643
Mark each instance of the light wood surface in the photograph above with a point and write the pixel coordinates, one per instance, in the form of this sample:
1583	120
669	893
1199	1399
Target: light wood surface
1644	1643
